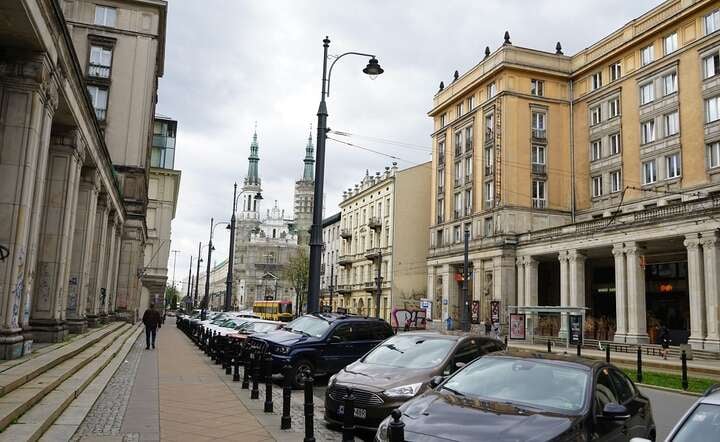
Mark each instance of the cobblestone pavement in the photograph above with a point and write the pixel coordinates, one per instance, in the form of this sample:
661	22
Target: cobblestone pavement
106	415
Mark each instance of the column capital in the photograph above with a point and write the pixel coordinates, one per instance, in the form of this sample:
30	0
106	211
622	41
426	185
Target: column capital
633	249
34	70
563	255
618	250
692	241
576	256
709	239
530	261
520	261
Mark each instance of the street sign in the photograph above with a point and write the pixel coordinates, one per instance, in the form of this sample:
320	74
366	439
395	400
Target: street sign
575	327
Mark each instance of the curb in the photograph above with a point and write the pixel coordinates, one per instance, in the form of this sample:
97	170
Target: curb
669	390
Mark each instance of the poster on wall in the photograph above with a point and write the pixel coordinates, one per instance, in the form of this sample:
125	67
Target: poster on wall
495	312
517	326
475	317
575	327
426	304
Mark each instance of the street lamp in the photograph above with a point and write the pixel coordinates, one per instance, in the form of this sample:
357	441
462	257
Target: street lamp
206	298
229	280
372	69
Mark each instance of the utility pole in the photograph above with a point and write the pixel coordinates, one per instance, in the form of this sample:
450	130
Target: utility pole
206	298
197	275
464	318
331	287
229	280
189	289
174	252
378	280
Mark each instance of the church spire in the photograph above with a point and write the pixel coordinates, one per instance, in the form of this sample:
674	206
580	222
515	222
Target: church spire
309	172
253	177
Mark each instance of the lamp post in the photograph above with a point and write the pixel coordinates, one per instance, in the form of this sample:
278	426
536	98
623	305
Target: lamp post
206	298
372	69
464	316
197	275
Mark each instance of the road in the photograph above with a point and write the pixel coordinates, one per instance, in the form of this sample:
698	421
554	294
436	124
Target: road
667	408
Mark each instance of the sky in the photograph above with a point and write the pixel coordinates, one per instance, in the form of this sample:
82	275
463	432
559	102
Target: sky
232	63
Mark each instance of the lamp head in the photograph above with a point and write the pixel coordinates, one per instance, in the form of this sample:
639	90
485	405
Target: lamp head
373	68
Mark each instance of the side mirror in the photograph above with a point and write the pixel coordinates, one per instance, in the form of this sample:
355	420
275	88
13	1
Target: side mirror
615	412
435	381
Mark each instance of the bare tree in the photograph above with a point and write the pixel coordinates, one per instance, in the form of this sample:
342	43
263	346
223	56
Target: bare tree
296	272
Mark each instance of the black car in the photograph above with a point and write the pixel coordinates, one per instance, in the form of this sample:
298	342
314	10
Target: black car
397	370
324	343
512	396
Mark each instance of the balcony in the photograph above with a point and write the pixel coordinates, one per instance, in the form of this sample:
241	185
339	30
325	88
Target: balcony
370	286
346	233
458	151
538	203
375	223
458	182
345	260
440	219
468	147
489	136
457	214
538	169
373	253
489	170
344	289
98	71
468	179
487	204
539	134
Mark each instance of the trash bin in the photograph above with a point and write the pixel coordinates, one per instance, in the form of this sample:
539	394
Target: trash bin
688	351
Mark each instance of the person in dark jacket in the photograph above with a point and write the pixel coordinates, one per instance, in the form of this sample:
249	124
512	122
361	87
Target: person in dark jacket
151	319
664	341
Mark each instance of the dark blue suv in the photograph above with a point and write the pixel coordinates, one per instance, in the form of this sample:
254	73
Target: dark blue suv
322	342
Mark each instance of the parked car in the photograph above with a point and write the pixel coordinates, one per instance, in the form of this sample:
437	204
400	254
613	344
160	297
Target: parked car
252	327
397	370
229	325
700	423
323	343
531	397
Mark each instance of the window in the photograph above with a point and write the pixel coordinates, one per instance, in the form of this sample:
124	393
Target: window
604	391
538	154
488	228
538	194
671	123
456	234
489	191
647	93
105	16
488	157
596	80
647	132
713	154
468	139
595	150
595	116
646	55
440	178
458	205
614	108
712	109
670	83
100	61
670	43
468	168
458	173
459	110
672	165
471	102
614	144
440	211
537	88
597	186
615	71
711	65
99	98
712	22
458	142
649	172
443	120
491	90
468	202
489	127
163	144
615	181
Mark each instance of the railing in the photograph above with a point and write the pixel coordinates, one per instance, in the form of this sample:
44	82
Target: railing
441	190
539	134
98	71
456	214
375	222
538	169
539	203
370	286
345	233
458	151
489	136
458	181
440	219
489	170
468	211
468	147
344	288
345	260
441	158
100	114
372	253
487	204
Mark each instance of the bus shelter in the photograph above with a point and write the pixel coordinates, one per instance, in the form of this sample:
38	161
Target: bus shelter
573	319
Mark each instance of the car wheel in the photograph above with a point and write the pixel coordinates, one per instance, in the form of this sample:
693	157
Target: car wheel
298	369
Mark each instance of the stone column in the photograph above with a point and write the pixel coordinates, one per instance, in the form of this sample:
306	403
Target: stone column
29	100
430	293
478	288
98	261
445	273
637	317
576	263
618	252
712	290
131	263
47	318
696	289
79	282
564	291
112	289
520	265
108	277
504	280
531	292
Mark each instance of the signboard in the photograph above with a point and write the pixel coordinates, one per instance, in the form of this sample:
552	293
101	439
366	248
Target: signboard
426	304
517	326
495	312
475	318
342	310
575	327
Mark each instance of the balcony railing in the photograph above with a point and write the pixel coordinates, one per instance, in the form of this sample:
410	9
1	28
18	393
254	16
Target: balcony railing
458	181
468	211
468	147
345	260
440	219
457	214
458	151
100	114
539	134
489	170
346	233
372	253
375	223
489	136
487	204
98	71
538	169
344	289
441	190
468	179
538	203
370	286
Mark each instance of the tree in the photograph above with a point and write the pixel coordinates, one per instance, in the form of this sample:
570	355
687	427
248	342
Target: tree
171	298
296	272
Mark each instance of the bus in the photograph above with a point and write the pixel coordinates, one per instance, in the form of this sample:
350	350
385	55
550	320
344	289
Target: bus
274	310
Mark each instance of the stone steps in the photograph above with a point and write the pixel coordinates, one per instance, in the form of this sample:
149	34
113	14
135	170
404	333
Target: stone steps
46	395
17	374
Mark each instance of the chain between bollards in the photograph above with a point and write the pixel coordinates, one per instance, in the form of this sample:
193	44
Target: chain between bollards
639	365
285	421
309	407
348	429
683	361
268	406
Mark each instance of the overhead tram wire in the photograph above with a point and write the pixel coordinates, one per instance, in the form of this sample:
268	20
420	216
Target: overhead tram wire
373	151
384	141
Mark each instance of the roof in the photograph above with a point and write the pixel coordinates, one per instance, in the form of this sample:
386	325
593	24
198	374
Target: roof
711	395
332	219
343	316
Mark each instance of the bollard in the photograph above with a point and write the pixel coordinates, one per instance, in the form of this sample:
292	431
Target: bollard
348	429
309	407
639	365
579	347
255	362
683	360
246	370
285	421
506	341
549	345
227	360
396	427
236	368
607	353
268	408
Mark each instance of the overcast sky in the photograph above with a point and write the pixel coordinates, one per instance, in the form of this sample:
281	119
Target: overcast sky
229	63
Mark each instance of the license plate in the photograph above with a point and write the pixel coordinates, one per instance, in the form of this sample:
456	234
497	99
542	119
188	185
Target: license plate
360	413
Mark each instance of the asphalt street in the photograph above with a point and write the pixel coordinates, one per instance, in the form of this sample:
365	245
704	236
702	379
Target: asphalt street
667	408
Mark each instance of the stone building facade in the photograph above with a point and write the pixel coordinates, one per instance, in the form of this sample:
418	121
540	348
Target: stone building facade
73	169
329	270
304	191
587	181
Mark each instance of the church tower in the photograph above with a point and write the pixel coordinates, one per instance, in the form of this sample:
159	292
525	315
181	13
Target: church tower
304	190
249	206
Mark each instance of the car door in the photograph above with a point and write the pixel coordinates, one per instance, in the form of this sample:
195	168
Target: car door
464	352
339	345
638	407
363	340
604	393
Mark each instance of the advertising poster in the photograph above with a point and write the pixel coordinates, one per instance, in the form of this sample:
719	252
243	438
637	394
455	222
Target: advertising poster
475	317
517	326
575	328
495	312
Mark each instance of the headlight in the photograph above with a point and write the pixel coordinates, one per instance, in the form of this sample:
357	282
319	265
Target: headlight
405	391
331	379
279	349
382	431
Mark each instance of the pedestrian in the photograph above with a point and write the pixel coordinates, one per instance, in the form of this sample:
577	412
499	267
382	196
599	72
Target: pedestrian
151	319
488	326
449	322
664	341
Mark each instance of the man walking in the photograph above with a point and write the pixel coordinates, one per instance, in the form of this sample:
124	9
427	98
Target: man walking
151	319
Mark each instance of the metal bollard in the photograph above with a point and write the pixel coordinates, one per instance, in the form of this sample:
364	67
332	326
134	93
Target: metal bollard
607	353
639	365
309	408
268	408
255	375
579	347
236	367
285	421
227	360
683	361
348	429
396	427
549	345
246	370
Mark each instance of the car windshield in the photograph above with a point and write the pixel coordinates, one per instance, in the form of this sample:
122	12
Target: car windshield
522	382
262	327
308	325
703	424
407	351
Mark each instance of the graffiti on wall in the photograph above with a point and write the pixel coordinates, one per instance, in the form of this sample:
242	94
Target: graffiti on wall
414	318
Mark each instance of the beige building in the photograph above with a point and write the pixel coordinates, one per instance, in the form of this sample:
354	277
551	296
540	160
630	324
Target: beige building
73	163
383	224
587	180
329	270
